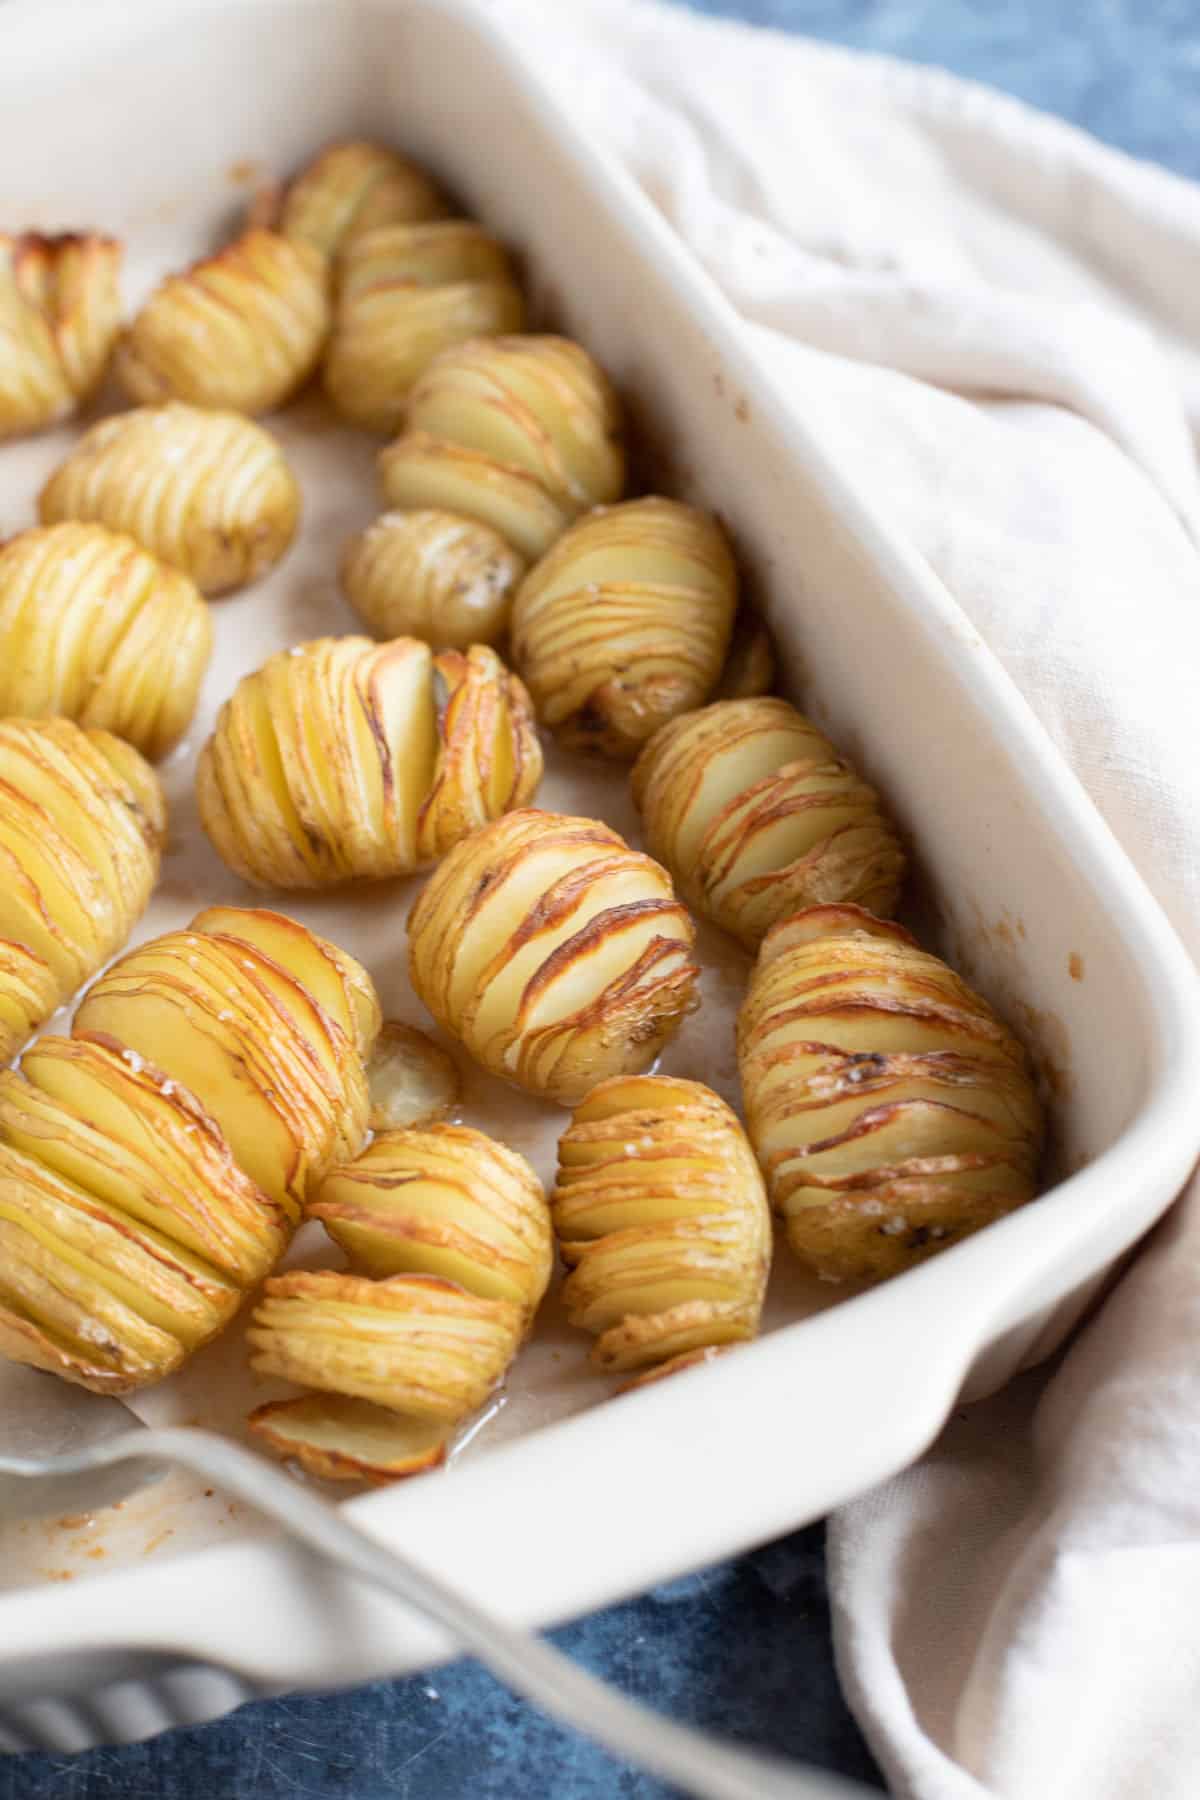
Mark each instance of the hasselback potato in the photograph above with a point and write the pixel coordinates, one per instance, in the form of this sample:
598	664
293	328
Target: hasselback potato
60	312
432	575
415	1344
96	629
404	292
625	623
660	1212
243	329
755	814
890	1108
556	953
264	1023
443	1200
128	1234
521	433
352	188
82	823
342	759
210	492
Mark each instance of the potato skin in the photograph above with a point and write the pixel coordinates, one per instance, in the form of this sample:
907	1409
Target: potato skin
60	313
96	629
625	624
521	433
756	814
661	1214
892	1112
354	187
242	330
404	292
346	760
210	492
81	832
557	954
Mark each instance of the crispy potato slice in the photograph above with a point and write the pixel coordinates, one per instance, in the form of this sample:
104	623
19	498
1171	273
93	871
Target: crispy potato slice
341	1439
411	1080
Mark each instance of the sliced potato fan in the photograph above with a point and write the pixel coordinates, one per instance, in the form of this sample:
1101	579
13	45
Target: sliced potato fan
892	1111
82	823
343	759
432	575
625	623
445	1201
210	492
354	187
556	953
520	433
60	313
96	629
661	1214
756	814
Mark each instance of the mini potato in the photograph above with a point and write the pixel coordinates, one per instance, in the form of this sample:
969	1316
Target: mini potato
352	188
404	292
520	433
625	623
264	1023
755	814
81	831
891	1110
661	1213
60	313
210	492
557	954
93	628
415	1344
432	575
444	1201
129	1235
243	329
346	760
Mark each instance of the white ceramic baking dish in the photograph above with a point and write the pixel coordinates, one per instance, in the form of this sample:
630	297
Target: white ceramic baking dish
145	118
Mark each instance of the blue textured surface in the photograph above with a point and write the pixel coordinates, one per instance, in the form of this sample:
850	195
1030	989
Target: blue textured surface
743	1648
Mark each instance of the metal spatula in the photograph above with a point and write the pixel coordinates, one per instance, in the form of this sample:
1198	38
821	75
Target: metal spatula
65	1450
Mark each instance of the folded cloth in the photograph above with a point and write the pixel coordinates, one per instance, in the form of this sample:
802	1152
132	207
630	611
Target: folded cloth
994	324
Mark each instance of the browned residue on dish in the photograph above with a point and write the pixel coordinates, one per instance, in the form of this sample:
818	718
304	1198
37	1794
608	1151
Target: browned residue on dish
1049	1044
242	172
1075	966
741	409
159	1537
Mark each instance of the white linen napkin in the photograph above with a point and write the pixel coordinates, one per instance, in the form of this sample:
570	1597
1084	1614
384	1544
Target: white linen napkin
994	323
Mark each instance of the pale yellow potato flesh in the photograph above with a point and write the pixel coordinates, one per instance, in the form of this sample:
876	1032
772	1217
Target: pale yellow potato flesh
82	823
625	623
60	314
413	1343
661	1213
554	952
433	575
243	329
96	629
208	491
444	1200
354	187
405	292
346	760
129	1234
756	814
520	433
411	1080
891	1110
340	1439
